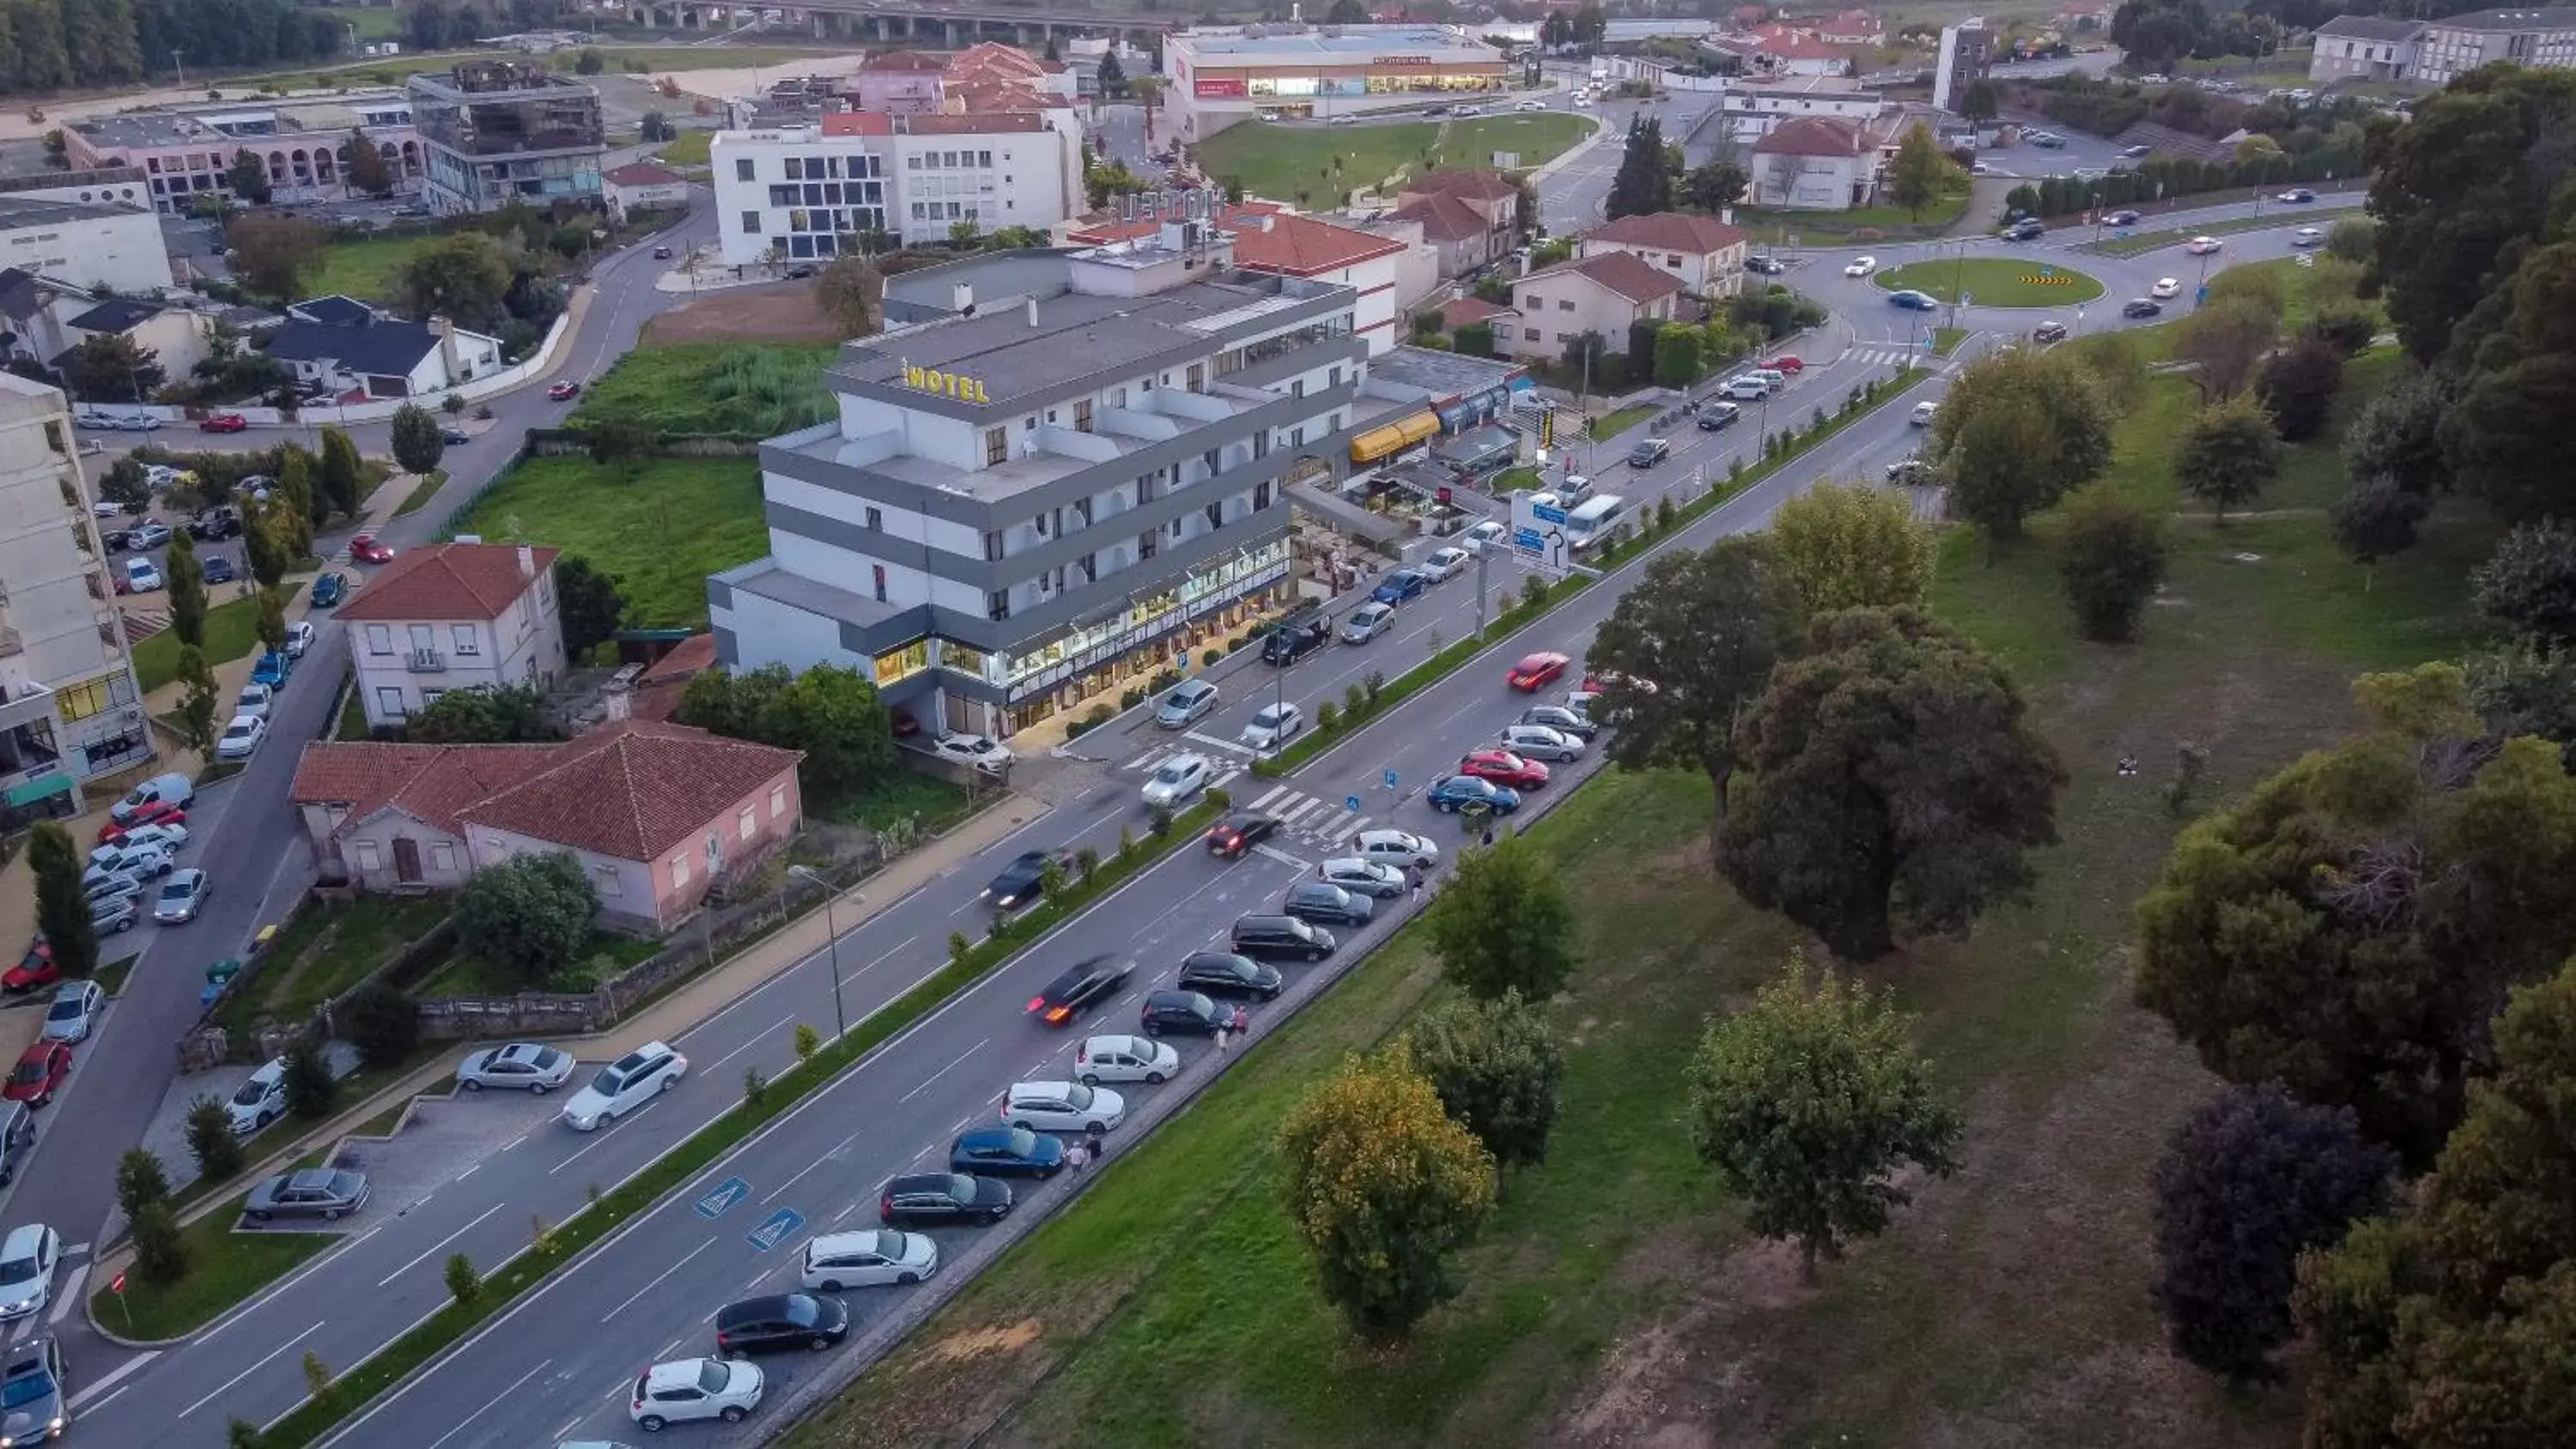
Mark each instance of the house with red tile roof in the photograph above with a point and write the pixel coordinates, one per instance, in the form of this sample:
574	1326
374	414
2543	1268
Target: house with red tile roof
1606	294
1704	254
654	813
1269	237
1852	27
1815	165
452	616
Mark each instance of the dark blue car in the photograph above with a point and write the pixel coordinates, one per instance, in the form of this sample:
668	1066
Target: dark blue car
1454	792
1914	301
328	589
1001	1151
1399	586
272	670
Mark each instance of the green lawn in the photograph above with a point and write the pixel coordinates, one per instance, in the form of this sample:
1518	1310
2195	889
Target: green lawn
2142	242
370	270
719	389
324	949
232	631
1611	425
1612	1295
1859	224
689	148
423	491
659	533
935	803
1318	164
1995	281
1946	340
469	975
224	1267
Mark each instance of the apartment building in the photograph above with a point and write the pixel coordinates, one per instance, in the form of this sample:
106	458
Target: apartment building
803	192
102	246
1037	499
2364	48
1704	254
186	151
2540	39
70	708
498	131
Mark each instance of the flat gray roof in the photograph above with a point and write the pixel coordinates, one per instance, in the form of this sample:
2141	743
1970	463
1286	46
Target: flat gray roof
18	211
1440	374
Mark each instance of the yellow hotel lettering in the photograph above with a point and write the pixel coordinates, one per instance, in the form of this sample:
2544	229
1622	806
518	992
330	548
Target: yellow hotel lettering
946	384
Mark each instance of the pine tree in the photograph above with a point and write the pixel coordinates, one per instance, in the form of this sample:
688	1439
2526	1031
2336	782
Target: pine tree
187	582
1644	184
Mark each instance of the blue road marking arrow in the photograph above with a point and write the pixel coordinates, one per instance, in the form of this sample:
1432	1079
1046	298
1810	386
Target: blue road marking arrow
723	1196
776	1230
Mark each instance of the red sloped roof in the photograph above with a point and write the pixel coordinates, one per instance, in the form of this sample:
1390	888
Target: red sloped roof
1464	184
449	581
1620	272
1468	311
1674	231
857	123
1303	246
430	783
1812	136
1444	218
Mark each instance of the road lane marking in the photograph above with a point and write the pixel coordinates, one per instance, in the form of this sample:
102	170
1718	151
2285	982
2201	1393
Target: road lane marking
274	1355
441	1243
881	960
66	1296
935	1076
657	1282
753	1040
496	1398
112	1376
598	1135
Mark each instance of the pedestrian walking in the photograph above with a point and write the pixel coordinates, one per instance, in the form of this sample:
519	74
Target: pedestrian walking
1223	1029
1417	885
1489	837
1075	1155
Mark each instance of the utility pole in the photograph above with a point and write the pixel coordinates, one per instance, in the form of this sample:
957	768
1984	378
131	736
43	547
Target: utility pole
175	65
1484	556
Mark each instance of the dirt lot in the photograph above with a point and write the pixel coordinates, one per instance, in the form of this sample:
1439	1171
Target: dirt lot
784	312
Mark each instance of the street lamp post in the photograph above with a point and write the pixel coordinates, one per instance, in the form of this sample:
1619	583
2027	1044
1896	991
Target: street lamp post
832	896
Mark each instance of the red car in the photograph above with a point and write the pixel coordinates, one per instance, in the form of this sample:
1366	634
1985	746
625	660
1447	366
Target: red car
159	812
563	391
1504	768
40	1073
1790	365
34	969
224	423
1537	671
365	549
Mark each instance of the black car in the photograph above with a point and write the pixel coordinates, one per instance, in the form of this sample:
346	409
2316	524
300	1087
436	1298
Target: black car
116	540
1716	415
2029	228
1282	936
2142	307
780	1321
1080	986
943	1199
1320	900
1222	973
216	524
453	437
2121	218
1239	832
1767	266
217	569
799	273
1185	1013
1024	879
2048	332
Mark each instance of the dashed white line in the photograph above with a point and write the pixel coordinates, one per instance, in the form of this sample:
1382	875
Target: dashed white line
441	1243
753	1040
944	1071
598	1135
274	1354
881	960
657	1282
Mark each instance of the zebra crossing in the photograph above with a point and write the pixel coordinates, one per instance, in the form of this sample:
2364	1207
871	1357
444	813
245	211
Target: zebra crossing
1329	824
1884	356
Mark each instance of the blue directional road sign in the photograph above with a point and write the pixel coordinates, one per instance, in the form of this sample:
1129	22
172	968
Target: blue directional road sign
1546	514
776	1229
723	1196
1390	779
1351	803
1528	539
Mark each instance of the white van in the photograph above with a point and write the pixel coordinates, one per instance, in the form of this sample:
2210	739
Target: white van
1589	523
169	789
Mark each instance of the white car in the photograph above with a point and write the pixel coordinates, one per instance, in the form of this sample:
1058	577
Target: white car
1399	848
1062	1107
695	1388
2201	246
28	1261
255	701
624	1085
873	1258
1372	878
1539	742
242	737
1188	702
299	637
520	1066
259	1101
2307	236
1924	412
1744	388
1180	777
141	859
1367	622
182	896
166	837
104	509
991	756
1479	536
1274	727
1442	563
1125	1059
1530	106
1861	267
2165	287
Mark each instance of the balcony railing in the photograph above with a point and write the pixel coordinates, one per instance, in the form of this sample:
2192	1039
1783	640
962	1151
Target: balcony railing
425	661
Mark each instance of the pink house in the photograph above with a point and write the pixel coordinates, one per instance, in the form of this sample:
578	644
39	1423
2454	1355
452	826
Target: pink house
655	813
899	83
187	151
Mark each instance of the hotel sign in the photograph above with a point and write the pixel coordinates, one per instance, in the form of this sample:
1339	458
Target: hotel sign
945	384
1400	60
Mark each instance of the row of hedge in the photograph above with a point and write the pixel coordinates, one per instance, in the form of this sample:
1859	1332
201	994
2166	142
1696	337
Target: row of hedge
2161	179
1365	702
763	1102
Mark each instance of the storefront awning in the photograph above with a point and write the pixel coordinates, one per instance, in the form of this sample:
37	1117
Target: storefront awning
28	792
1394	438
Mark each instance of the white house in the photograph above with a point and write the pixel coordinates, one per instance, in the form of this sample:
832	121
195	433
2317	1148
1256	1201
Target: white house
361	354
1815	165
1704	254
453	616
1270	238
643	187
1606	293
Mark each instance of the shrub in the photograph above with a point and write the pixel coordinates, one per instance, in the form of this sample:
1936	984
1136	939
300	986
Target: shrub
211	1140
140	1183
382	1023
311	1091
463	1284
1159	820
808	1041
1355	702
1328	717
160	1252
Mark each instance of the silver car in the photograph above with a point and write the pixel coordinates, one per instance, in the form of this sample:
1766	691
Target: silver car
1367	622
312	1192
1180	777
1371	878
520	1066
1189	701
74	1012
1541	742
182	896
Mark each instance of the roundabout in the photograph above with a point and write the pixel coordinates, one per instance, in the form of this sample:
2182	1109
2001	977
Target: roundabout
2016	281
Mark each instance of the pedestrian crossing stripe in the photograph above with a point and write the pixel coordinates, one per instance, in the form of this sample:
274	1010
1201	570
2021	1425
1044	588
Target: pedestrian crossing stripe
1883	357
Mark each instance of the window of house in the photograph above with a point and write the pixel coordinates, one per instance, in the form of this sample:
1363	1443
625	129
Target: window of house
1082	415
751	223
442	855
1529	334
389	701
983	158
997	446
380	639
366	854
1532	301
997	605
747	824
468	639
777	801
796	169
680	870
1564	305
992	545
879	571
606	881
742	168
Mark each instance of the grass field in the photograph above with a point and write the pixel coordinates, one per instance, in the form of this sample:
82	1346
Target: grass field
324	950
224	1267
370	270
689	148
469	975
232	630
2140	243
1320	163
724	389
1860	224
659	533
936	804
1613	1299
1995	281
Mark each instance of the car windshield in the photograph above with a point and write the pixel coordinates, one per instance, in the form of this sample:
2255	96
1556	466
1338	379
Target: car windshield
975	744
802	1311
177	891
1020	1142
15	1271
30	1069
1171	774
547	1058
27	1388
67	1008
1078	1098
713	1375
1270	717
607	1082
250	1093
961	1187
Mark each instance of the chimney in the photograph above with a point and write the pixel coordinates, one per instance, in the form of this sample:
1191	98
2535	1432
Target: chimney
620	704
961	297
527	562
445	331
1033	314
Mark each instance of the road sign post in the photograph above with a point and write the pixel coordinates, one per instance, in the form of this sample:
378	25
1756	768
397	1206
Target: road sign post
116	1285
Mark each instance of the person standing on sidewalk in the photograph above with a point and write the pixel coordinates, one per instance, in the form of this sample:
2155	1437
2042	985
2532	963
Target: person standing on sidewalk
1415	884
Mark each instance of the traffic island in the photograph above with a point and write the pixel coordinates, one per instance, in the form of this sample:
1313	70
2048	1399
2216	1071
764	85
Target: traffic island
1994	282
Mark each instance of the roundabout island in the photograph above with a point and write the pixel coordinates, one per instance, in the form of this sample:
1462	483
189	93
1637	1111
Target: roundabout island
2032	281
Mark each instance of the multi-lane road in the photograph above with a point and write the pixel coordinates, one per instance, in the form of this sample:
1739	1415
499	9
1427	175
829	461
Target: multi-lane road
479	1172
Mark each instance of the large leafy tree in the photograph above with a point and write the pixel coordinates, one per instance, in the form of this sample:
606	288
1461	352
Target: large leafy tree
2248	1183
2450	1329
1715	184
369	171
2504	434
487	715
2229	454
1644	183
2351	928
2460	189
2528	587
465	277
275	255
416	442
2111	560
1496	1068
197	700
1854	547
831	713
342	473
2017	431
113	367
847	292
2396	434
1382	1186
62	906
1503	923
2298	385
1808	1103
530	915
1915	178
1687	649
249	176
588	604
2224	342
1896	782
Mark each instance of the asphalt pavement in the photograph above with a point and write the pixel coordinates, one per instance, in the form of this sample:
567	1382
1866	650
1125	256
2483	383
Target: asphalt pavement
557	1364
